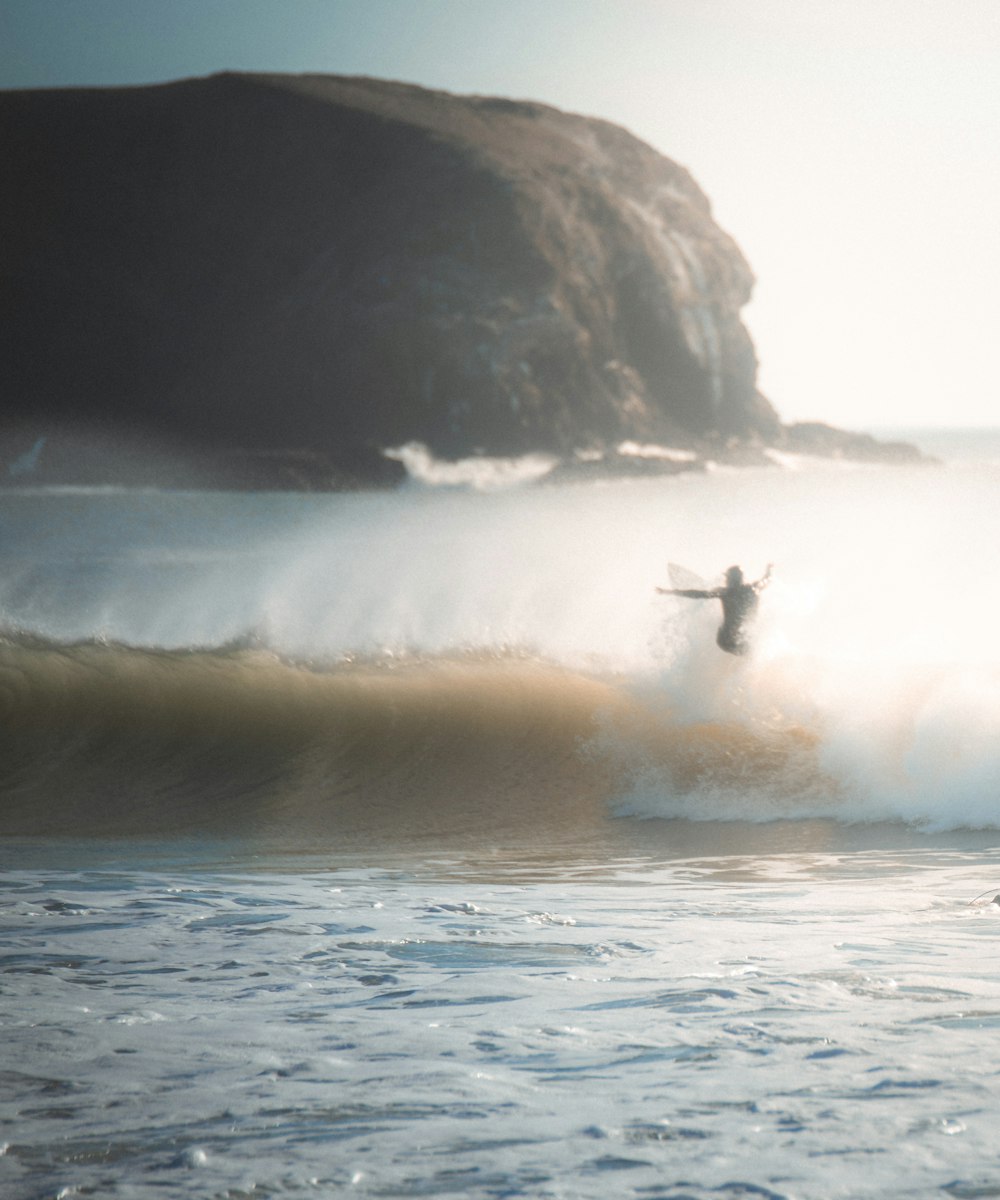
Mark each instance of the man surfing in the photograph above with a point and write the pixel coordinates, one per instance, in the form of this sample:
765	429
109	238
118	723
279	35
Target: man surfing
739	606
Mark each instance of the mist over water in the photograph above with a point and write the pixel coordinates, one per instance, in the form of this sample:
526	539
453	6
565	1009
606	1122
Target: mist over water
875	667
890	565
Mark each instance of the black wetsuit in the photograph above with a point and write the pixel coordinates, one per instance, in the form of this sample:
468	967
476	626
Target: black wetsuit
739	606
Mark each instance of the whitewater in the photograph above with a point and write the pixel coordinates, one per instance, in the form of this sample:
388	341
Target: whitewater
409	843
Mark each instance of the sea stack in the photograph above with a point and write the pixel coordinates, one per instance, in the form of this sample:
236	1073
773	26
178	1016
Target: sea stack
293	273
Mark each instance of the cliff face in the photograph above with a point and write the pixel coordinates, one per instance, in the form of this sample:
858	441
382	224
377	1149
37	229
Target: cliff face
338	265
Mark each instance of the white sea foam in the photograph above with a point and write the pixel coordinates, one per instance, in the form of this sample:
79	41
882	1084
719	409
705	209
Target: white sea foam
737	1023
481	473
633	449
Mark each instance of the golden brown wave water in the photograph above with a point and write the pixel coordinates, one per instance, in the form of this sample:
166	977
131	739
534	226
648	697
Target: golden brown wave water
107	740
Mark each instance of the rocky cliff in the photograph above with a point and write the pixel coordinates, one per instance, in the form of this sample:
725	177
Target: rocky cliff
328	266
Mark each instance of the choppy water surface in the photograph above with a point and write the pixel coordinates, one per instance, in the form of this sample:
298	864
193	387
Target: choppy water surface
795	1025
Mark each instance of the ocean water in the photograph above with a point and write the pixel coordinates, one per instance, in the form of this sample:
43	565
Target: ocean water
410	845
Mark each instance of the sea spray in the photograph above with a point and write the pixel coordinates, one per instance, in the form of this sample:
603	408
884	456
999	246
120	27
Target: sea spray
872	653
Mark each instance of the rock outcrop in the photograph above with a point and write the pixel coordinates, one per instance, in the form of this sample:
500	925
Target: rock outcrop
823	441
326	266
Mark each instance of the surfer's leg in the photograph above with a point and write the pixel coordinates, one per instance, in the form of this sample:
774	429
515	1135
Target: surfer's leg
732	643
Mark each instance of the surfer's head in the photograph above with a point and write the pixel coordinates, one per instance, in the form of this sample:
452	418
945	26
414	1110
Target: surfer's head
734	577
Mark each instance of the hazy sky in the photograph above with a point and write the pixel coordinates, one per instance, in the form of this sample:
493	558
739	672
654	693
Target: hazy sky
852	147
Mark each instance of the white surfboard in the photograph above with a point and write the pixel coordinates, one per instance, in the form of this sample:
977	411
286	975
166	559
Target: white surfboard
685	580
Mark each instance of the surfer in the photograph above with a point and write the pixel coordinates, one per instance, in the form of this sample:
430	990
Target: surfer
739	606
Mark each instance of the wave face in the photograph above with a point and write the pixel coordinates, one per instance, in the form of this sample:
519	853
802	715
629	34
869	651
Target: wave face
112	740
425	661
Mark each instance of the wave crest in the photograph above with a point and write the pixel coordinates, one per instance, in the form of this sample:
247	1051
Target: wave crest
103	738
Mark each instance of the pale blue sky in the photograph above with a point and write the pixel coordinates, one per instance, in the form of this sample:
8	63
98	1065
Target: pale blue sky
850	146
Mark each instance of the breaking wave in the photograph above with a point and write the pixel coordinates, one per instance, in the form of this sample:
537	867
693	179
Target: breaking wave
438	661
100	738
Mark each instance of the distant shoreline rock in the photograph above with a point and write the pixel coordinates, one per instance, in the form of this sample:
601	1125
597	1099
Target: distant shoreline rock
264	281
823	441
89	462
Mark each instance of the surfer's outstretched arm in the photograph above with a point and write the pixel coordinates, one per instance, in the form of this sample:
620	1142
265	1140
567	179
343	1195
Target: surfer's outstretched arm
765	579
690	593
